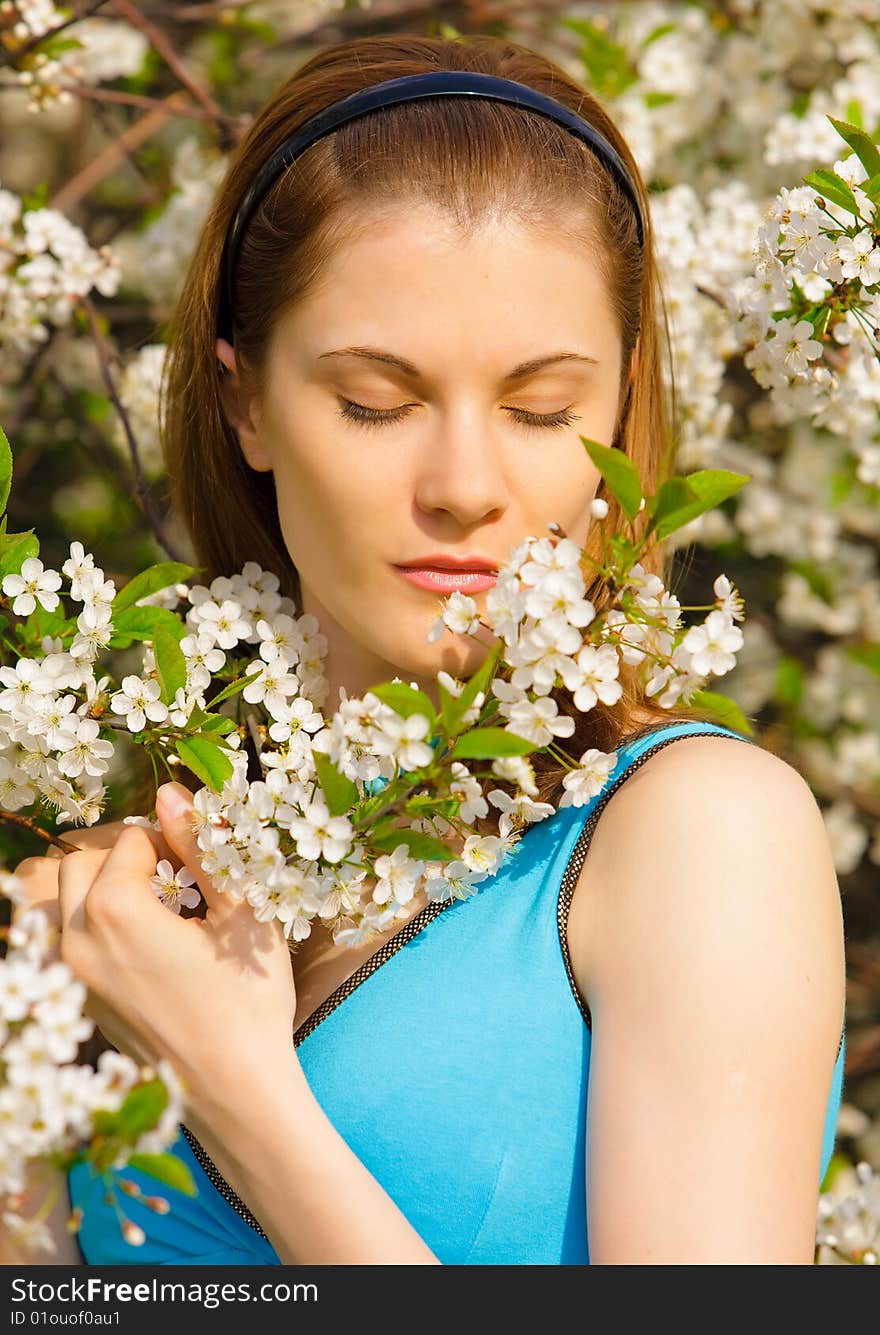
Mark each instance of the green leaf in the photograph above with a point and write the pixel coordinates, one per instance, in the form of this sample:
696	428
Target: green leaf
40	623
167	1169
142	623
17	548
702	491
56	46
429	804
341	793
674	494
234	687
150	581
725	711
830	186
454	708
861	144
488	743
170	663
837	1164
657	99
208	760
217	723
854	114
606	63
619	472
817	578
842	481
417	844
405	700
789	683
37	199
139	1112
656	33
866	654
871	188
5	470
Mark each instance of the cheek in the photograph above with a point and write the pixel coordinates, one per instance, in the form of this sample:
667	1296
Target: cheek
333	504
561	490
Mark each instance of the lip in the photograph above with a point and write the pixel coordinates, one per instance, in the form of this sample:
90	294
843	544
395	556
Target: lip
448	581
447	561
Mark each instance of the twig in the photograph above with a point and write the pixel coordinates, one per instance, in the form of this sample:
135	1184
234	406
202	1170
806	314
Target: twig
110	157
28	383
110	463
28	824
210	9
161	44
143	495
173	105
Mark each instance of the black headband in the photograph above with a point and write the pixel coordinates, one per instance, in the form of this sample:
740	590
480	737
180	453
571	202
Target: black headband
409	88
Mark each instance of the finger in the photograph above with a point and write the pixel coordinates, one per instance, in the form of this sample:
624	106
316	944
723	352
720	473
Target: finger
105	836
122	886
174	809
76	874
38	877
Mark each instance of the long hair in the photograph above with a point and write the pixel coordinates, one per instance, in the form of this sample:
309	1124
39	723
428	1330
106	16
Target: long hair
472	163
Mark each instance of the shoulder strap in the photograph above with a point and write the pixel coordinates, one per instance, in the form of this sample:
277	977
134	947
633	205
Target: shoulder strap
631	754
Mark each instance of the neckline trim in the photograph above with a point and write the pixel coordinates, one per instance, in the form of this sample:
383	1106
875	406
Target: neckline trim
582	843
379	957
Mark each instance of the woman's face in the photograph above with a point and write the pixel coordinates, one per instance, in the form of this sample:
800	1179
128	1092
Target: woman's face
457	467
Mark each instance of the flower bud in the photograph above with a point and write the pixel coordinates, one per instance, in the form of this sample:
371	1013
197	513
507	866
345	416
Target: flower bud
598	508
134	1236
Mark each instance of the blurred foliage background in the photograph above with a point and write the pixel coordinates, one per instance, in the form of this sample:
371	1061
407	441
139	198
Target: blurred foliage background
120	119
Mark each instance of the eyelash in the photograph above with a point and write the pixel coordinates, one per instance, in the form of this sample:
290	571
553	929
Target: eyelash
358	412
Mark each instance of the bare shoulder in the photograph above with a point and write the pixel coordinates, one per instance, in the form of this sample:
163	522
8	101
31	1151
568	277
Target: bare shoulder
711	842
709	935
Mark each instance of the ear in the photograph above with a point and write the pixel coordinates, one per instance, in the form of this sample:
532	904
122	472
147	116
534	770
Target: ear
238	409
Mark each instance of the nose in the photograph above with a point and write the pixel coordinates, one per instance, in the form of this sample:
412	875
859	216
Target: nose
461	471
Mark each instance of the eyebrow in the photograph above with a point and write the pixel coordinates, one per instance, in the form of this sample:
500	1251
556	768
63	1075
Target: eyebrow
520	372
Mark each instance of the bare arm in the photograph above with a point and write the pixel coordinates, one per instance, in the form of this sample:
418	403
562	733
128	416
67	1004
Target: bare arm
717	990
314	1197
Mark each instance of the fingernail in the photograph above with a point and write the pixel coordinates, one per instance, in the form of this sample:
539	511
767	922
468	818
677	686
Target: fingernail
176	800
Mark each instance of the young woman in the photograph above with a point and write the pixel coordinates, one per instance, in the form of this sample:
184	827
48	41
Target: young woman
627	1045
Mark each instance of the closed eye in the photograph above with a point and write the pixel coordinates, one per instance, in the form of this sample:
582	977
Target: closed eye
358	412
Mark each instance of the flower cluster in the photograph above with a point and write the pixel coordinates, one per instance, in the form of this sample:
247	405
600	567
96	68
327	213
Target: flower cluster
849	1222
46	266
98	49
51	746
50	1104
810	316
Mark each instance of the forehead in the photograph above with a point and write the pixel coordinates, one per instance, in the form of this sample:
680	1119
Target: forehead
410	277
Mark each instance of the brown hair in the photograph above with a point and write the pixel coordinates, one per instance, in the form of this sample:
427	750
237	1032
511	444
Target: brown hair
470	166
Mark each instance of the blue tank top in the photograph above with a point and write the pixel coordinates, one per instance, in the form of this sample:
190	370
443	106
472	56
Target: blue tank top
455	1064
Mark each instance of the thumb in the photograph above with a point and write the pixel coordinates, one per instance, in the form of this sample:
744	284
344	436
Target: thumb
174	809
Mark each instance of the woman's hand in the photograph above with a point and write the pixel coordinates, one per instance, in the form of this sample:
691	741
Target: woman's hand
209	995
39	877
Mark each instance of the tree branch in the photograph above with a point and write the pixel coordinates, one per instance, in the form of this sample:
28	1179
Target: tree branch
119	148
25	821
173	105
162	45
143	496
